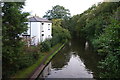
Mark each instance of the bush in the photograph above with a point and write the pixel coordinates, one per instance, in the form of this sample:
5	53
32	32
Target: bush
25	60
45	46
55	40
60	35
30	55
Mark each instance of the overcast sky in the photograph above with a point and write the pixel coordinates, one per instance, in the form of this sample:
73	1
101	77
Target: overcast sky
39	7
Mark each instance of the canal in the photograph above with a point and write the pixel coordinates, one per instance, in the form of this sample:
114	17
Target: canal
76	60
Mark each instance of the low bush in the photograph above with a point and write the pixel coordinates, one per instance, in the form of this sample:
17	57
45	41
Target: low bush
30	55
45	46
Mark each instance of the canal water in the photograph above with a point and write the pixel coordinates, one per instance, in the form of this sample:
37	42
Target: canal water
75	60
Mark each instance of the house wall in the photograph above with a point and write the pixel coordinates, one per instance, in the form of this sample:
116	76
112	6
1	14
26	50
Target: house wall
28	31
35	32
39	31
47	30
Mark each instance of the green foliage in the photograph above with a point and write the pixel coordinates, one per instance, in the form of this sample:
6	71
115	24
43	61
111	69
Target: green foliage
60	34
12	26
112	44
45	46
57	12
117	14
111	66
25	60
57	22
71	24
30	55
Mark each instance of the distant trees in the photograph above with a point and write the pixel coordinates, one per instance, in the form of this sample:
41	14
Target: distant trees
13	24
60	35
57	12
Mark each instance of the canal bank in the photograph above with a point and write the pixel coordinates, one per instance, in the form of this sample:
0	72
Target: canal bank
45	61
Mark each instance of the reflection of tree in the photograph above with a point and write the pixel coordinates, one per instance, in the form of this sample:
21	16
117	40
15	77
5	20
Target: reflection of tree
77	47
78	44
61	58
64	55
89	58
91	61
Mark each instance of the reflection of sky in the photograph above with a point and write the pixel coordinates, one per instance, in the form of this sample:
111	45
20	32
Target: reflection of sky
74	69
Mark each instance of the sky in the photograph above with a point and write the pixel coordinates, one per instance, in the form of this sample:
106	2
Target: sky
39	7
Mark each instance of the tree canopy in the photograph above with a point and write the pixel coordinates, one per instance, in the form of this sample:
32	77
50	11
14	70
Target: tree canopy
57	12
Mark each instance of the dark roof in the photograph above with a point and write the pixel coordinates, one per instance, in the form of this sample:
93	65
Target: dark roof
38	19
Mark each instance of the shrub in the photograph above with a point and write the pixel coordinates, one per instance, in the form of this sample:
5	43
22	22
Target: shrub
25	60
60	35
30	55
45	46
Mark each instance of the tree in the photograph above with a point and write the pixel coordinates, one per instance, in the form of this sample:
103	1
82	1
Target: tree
57	12
13	25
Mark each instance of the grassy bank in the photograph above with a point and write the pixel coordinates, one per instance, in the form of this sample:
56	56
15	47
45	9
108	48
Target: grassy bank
27	71
53	54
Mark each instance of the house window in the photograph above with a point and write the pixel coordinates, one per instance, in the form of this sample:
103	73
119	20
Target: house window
42	31
48	24
42	23
42	34
48	27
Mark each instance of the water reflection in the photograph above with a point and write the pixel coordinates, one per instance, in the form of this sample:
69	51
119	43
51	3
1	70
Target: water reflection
74	61
86	45
74	69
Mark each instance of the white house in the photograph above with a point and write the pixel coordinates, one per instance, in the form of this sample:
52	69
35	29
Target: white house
39	29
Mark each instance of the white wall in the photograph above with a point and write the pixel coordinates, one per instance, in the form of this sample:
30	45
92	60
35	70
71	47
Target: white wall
36	29
28	31
35	32
47	30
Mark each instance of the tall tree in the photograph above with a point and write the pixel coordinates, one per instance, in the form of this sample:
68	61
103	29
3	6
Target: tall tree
13	25
57	12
